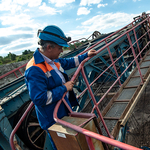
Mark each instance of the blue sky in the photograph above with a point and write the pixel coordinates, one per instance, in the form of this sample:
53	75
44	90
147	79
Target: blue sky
20	19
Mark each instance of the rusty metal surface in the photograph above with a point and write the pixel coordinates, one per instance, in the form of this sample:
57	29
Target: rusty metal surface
134	81
126	94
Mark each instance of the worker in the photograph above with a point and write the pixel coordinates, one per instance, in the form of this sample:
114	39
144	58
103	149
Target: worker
46	78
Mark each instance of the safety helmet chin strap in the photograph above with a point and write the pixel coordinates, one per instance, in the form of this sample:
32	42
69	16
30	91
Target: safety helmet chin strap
67	39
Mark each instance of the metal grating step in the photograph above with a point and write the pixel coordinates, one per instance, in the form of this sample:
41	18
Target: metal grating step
147	57
145	64
116	109
110	125
134	81
126	94
143	72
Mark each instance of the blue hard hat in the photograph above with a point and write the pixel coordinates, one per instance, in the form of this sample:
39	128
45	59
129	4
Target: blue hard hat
54	34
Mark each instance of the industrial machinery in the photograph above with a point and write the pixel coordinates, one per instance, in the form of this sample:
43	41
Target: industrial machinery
108	87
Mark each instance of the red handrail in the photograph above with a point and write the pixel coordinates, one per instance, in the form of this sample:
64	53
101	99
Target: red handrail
89	133
79	129
92	134
18	125
13	71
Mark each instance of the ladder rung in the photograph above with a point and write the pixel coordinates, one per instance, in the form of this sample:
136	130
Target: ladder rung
111	118
125	100
136	76
144	67
146	60
128	87
109	94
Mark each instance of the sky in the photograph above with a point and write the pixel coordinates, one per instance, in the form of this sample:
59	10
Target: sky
21	19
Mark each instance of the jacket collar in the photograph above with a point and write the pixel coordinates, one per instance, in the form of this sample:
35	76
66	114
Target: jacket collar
38	58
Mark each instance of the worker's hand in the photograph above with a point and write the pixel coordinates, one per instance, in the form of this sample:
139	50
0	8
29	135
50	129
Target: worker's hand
69	85
91	53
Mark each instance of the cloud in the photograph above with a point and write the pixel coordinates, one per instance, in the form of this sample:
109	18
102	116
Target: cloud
89	2
78	18
11	38
107	21
103	23
102	5
23	29
30	3
20	19
49	10
16	5
83	11
20	46
114	1
61	3
7	5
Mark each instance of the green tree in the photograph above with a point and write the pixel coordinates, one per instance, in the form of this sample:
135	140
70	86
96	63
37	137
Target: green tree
11	56
21	58
26	52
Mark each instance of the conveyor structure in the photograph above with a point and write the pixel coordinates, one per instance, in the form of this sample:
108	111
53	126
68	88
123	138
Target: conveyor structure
108	87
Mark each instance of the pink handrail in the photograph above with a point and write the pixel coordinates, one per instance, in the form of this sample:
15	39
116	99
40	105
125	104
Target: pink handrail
107	45
79	129
88	133
18	125
91	134
76	41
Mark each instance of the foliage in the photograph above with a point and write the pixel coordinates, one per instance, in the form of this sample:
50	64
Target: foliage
26	52
26	55
11	56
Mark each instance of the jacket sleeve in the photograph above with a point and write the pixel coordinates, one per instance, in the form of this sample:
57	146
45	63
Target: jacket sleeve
68	63
37	82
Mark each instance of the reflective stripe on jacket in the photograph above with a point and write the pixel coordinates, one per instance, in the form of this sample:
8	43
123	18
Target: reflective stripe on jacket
45	86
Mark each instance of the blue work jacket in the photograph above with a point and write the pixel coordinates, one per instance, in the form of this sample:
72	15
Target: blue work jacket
46	88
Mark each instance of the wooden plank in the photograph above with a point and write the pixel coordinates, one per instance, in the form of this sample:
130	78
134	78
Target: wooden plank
128	87
109	95
144	67
126	100
111	118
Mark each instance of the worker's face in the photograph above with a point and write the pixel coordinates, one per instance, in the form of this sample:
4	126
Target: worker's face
55	51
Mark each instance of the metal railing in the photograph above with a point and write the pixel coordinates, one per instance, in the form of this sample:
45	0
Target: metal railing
89	134
13	71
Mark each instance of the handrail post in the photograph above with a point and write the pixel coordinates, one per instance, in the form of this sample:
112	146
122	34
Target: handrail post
148	26
90	143
136	40
18	125
94	101
15	74
135	57
19	71
113	62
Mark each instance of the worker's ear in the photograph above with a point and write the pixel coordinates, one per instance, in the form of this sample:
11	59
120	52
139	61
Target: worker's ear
49	47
